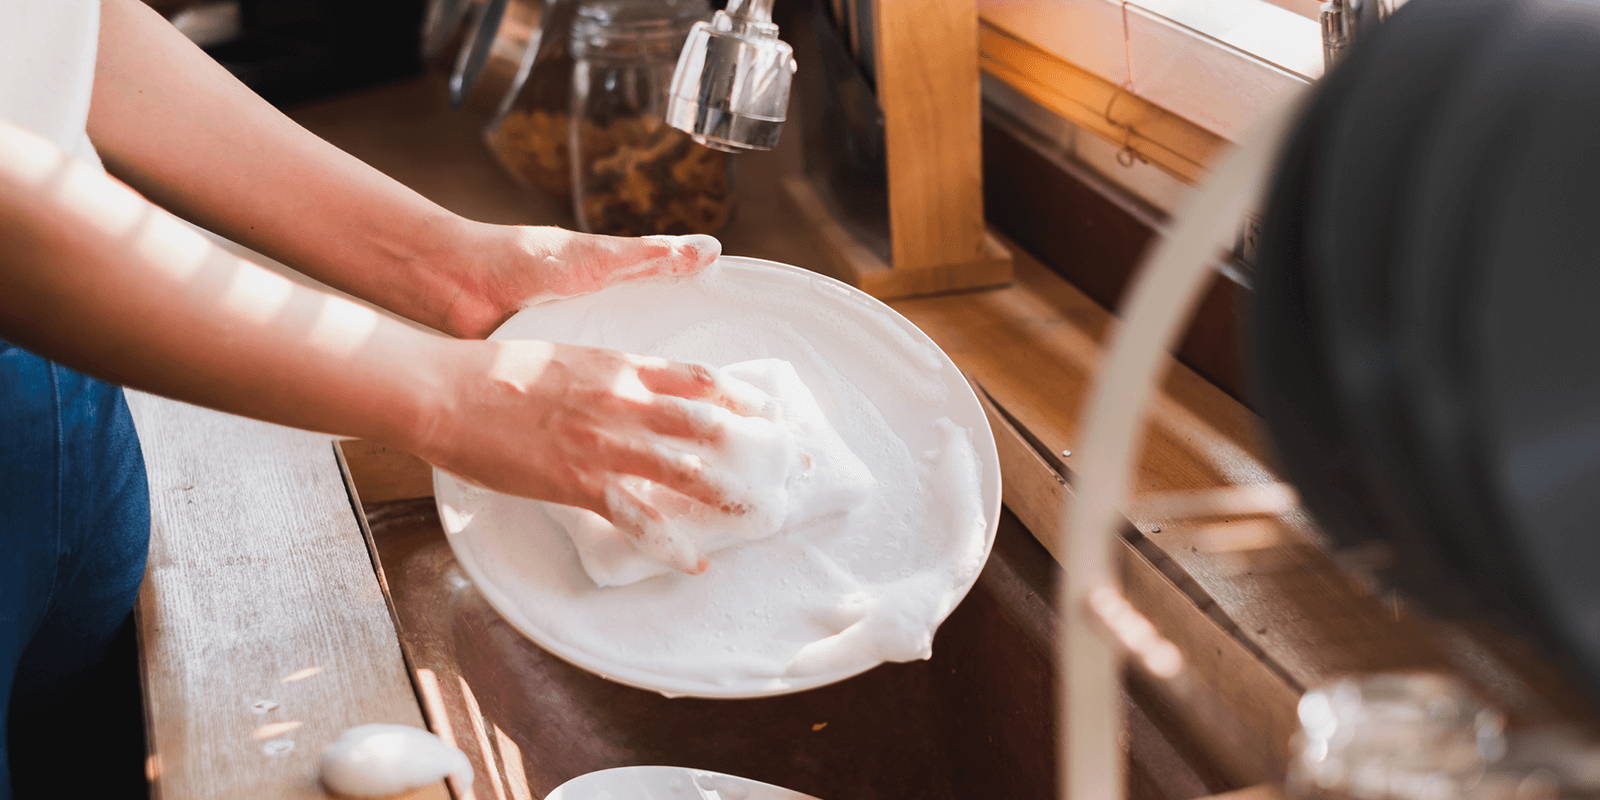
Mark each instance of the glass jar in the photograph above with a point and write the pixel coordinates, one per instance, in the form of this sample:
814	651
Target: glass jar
632	174
1397	736
530	133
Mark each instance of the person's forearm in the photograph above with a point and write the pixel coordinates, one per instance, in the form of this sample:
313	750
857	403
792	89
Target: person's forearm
175	125
96	277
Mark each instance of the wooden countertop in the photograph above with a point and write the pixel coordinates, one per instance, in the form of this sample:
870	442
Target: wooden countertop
264	632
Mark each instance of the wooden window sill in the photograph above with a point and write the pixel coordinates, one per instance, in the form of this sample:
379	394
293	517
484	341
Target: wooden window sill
1171	79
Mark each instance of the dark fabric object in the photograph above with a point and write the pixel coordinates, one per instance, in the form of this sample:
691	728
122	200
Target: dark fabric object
74	532
1424	333
299	51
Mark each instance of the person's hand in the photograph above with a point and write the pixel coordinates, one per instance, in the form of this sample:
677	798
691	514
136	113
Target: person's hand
498	270
585	426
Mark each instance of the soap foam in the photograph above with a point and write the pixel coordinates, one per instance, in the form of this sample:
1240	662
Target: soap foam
385	760
792	474
752	467
846	593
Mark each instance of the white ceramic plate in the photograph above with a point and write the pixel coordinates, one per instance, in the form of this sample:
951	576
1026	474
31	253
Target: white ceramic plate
527	569
668	783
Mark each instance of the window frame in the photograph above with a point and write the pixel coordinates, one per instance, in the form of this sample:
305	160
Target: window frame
1164	77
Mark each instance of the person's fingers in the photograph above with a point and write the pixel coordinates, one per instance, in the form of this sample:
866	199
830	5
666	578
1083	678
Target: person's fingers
680	379
622	258
697	422
645	526
700	382
747	401
681	472
691	253
574	263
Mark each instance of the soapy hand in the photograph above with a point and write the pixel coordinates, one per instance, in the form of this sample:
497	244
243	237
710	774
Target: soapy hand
502	269
592	428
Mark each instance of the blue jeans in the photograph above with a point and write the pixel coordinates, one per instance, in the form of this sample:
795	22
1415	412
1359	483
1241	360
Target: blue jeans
74	531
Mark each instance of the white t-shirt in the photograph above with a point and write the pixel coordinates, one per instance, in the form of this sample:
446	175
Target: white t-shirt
47	50
47	57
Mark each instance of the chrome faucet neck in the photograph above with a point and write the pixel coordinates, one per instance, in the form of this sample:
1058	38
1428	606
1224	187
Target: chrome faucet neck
1345	21
751	10
730	90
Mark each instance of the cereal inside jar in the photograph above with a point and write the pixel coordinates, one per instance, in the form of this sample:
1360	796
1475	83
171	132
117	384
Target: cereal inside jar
632	174
530	134
531	144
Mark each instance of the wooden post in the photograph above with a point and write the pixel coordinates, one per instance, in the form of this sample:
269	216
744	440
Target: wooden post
927	85
928	89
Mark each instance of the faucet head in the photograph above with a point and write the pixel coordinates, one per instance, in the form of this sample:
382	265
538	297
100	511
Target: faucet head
731	87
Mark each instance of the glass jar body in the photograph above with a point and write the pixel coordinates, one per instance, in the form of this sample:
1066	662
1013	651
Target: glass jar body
632	174
530	134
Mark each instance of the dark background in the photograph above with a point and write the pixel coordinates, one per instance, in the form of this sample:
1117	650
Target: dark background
292	51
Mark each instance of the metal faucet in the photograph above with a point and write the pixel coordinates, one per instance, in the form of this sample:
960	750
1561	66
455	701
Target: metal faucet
1344	21
730	90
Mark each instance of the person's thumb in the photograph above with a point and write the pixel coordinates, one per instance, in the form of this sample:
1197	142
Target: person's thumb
589	262
685	255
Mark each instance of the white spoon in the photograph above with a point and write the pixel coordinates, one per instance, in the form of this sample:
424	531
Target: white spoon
668	783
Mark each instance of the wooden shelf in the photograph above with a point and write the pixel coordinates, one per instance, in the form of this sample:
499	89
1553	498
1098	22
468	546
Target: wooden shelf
858	265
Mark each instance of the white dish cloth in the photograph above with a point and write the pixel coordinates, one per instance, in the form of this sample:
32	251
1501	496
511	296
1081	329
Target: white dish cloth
823	482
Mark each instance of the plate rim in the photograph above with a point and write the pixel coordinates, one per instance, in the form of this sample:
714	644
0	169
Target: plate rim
987	454
797	794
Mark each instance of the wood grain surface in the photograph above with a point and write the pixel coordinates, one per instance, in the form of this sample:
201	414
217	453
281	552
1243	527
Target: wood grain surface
262	631
927	85
1094	233
858	264
1231	699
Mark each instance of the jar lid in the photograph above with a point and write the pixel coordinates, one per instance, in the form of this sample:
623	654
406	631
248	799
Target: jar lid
505	38
444	22
603	23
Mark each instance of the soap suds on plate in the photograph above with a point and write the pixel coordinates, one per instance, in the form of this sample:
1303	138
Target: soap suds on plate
385	760
795	473
835	596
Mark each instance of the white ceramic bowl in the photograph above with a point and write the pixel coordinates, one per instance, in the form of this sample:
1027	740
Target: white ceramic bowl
668	783
849	327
